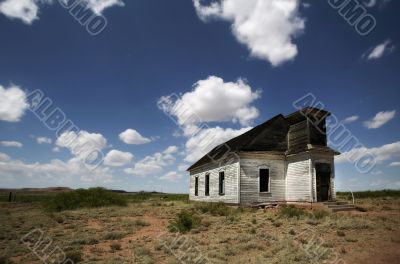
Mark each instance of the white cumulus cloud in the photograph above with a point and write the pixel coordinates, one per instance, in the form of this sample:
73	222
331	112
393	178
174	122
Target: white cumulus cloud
116	158
350	119
395	164
172	176
171	150
266	27
381	154
213	100
12	103
380	119
15	144
53	173
152	164
206	139
98	6
43	140
372	3
25	10
82	144
377	52
28	10
132	137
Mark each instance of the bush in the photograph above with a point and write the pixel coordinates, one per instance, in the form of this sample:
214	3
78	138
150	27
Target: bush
319	213
363	209
113	236
81	198
291	211
74	255
340	233
184	222
115	246
4	260
216	209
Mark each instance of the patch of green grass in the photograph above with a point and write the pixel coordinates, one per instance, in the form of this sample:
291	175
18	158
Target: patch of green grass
216	209
140	223
81	198
370	194
143	255
291	212
153	196
184	222
113	236
320	214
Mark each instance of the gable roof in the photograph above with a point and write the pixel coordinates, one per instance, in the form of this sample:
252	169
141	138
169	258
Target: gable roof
268	136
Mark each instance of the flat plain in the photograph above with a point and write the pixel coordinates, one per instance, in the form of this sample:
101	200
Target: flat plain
153	229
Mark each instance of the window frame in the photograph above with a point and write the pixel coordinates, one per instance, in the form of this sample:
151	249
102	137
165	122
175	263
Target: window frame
196	186
221	191
259	180
207	184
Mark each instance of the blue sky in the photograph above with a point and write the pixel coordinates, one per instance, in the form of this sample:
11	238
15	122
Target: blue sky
260	56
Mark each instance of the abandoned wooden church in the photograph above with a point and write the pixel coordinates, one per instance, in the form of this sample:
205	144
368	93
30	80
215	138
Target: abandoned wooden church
285	159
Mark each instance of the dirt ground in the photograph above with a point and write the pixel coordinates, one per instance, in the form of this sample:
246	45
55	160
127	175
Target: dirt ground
139	233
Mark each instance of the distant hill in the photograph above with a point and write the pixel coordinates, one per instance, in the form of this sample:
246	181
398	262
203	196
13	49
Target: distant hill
49	189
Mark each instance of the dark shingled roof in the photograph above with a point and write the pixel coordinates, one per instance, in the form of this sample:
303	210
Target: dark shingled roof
268	136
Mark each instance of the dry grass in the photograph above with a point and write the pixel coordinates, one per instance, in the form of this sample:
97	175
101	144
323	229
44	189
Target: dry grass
138	233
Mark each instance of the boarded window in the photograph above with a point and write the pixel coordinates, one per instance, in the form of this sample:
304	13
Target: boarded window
264	180
207	185
222	183
196	186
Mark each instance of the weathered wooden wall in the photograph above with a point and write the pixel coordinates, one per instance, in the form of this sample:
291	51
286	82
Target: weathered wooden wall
298	178
249	179
231	183
292	179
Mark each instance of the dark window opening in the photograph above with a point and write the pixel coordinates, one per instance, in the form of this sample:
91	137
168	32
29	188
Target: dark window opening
207	185
222	183
264	180
196	186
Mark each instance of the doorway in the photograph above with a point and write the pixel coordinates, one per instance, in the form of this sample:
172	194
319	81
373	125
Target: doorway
323	181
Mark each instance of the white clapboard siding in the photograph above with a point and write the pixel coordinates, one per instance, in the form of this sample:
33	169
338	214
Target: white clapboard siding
298	179
249	180
231	183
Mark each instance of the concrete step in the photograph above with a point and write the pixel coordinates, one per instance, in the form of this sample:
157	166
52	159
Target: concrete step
339	206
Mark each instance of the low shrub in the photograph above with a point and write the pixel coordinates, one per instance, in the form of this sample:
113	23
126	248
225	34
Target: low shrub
140	223
115	246
291	212
361	209
74	255
82	198
184	222
143	255
113	236
340	233
320	214
5	260
216	209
